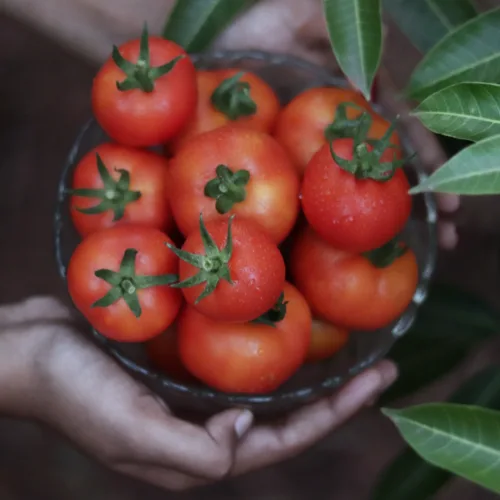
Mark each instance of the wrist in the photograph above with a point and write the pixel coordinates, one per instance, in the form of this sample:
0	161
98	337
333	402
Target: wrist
22	349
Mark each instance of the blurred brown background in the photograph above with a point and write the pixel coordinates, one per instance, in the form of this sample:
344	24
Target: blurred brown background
43	101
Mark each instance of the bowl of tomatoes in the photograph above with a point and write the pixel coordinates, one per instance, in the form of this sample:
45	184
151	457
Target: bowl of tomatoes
236	227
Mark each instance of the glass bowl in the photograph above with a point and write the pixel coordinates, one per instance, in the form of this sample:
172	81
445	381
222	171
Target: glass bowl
288	76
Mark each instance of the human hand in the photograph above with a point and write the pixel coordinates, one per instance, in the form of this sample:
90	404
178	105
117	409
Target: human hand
90	399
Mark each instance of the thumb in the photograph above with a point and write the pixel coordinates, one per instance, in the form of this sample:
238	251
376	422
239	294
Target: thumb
229	426
226	429
37	308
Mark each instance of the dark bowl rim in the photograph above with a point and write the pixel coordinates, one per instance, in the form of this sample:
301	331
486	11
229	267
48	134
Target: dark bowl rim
303	394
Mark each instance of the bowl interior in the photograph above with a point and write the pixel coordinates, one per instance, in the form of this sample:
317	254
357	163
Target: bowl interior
288	76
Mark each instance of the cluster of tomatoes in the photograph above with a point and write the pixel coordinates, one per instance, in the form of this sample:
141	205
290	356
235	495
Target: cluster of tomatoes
255	239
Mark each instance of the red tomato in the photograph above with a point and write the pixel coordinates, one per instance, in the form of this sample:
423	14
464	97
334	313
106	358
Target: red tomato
305	123
163	353
116	184
351	213
117	279
230	96
246	357
235	278
326	340
146	92
235	170
349	290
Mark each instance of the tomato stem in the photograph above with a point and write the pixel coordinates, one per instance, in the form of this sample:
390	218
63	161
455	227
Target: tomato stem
276	314
232	98
342	127
366	155
213	266
125	283
387	254
115	195
141	75
227	188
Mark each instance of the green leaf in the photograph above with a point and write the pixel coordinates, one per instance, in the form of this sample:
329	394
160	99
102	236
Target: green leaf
461	439
450	323
425	22
473	171
470	52
469	111
195	24
355	29
409	477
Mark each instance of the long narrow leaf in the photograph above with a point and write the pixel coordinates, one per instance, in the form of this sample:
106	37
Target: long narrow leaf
473	171
461	439
195	24
469	111
470	52
355	30
425	22
411	478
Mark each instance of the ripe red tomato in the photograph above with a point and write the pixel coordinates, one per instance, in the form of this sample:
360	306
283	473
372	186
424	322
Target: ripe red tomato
235	170
246	357
146	92
304	125
115	184
230	96
163	353
118	279
326	340
352	213
230	270
350	290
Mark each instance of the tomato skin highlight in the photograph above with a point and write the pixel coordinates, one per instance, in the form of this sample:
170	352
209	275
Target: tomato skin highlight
246	357
256	267
208	118
347	289
148	175
355	215
326	340
104	250
301	125
272	193
141	119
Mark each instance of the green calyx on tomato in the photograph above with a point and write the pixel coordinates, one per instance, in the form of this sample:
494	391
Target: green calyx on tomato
367	153
141	75
274	315
232	98
213	266
228	188
386	254
115	195
125	283
343	127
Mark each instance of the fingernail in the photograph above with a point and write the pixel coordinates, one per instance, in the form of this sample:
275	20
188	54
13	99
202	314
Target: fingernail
390	373
243	423
448	202
362	389
448	236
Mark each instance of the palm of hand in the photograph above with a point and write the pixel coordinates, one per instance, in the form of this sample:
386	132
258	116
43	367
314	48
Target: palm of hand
90	399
